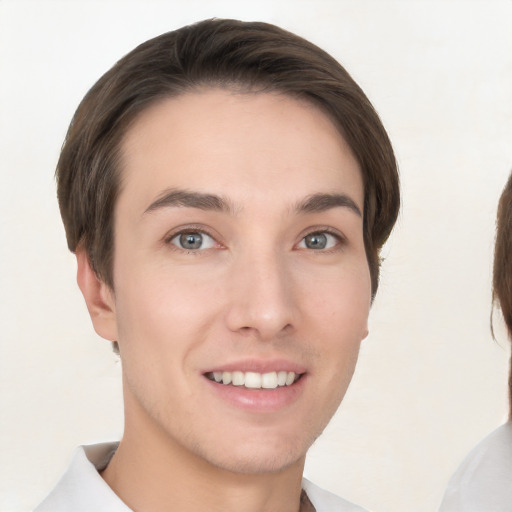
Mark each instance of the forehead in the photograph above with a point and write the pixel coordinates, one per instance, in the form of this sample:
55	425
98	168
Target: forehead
237	145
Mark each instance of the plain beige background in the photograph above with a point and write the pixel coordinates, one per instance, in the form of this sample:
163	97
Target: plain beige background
430	381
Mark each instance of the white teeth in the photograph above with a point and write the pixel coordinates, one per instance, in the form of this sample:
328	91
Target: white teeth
238	378
254	380
281	378
269	380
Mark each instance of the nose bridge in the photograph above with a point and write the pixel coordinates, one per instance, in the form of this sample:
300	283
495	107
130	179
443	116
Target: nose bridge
261	293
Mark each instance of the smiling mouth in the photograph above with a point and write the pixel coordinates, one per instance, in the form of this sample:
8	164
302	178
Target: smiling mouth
254	380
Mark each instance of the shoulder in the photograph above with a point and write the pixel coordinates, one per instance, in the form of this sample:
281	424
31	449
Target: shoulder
325	501
482	481
81	488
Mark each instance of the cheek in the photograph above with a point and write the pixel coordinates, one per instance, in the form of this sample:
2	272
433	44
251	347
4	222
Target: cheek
160	309
341	303
339	313
161	323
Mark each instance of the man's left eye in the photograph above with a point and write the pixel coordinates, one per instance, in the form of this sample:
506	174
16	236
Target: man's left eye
193	241
318	241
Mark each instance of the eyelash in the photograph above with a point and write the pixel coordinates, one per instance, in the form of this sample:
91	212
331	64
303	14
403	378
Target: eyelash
317	230
192	230
321	230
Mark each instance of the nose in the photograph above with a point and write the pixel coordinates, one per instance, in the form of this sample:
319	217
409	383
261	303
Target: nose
262	301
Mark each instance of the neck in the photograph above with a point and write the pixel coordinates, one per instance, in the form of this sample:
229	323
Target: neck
151	471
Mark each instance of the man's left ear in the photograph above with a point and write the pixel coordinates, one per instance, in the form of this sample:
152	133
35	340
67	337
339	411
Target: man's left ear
98	296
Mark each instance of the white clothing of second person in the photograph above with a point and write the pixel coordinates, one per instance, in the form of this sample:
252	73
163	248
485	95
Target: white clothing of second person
483	482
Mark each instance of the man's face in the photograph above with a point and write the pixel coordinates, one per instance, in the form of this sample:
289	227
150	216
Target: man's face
239	257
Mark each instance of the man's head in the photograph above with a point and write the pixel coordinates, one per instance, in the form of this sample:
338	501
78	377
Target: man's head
226	54
227	188
502	275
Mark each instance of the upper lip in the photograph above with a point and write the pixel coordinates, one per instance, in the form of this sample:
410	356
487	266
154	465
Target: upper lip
258	366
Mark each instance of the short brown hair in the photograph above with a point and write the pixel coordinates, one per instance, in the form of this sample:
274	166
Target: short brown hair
247	56
502	272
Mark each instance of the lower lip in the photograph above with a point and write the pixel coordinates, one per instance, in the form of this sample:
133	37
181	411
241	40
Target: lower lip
259	400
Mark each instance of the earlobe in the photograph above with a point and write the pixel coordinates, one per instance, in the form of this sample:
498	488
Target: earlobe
98	297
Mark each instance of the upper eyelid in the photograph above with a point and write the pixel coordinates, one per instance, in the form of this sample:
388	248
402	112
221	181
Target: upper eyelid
173	233
323	229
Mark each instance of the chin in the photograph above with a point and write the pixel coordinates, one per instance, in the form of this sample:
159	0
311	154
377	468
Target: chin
256	457
257	464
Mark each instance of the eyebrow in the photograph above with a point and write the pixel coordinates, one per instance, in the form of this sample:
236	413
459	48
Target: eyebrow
187	198
315	203
318	203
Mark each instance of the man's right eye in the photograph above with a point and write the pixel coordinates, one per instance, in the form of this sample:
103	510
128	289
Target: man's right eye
192	241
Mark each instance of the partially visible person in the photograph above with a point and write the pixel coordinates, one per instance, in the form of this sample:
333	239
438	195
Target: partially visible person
483	482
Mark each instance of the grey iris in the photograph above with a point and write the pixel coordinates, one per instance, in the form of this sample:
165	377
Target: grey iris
191	240
316	241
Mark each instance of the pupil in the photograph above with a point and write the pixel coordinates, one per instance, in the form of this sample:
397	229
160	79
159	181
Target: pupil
316	241
191	240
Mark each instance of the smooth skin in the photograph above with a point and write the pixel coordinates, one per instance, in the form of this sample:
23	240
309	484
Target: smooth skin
238	242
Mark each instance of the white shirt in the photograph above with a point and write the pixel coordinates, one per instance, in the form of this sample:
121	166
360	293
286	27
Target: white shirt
483	482
81	488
